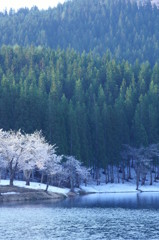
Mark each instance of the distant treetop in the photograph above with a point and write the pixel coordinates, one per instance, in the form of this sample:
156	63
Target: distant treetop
130	32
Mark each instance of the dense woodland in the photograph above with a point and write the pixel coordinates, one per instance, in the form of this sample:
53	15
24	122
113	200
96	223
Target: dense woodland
89	106
128	29
85	73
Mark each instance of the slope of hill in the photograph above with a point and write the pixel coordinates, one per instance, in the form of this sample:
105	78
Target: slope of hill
88	106
128	31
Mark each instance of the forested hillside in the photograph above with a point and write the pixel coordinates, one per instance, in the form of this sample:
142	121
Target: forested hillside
89	106
129	30
86	73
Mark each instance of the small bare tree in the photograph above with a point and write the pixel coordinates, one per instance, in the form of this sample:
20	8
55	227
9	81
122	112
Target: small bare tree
75	172
143	158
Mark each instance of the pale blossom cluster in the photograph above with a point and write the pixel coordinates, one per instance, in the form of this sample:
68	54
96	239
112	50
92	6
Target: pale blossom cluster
20	152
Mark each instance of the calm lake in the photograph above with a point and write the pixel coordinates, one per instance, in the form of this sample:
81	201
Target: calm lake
91	217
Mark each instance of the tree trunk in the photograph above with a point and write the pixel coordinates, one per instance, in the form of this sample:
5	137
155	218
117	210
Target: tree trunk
132	163
47	186
5	174
150	176
42	177
143	180
12	172
97	176
72	184
127	172
112	174
129	176
158	171
155	175
27	174
48	182
137	178
11	180
123	173
108	174
78	181
118	176
27	182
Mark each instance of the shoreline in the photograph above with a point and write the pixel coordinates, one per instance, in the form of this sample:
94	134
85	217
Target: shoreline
36	191
127	192
127	187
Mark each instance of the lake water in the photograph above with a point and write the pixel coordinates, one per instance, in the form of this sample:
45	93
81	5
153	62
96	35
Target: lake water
91	217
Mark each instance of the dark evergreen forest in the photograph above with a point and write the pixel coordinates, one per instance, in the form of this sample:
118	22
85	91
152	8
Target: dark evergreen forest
89	106
129	30
86	73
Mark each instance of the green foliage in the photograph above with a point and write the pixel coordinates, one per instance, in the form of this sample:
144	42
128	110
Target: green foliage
88	106
127	30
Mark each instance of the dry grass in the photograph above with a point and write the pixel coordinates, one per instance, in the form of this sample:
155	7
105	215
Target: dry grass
9	194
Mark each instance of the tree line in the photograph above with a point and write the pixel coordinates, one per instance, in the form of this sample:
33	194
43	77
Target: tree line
127	29
89	106
24	155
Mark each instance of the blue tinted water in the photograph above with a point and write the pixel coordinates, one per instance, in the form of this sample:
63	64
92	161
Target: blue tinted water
91	217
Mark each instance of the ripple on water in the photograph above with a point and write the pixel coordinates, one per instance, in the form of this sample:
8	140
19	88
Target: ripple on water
40	222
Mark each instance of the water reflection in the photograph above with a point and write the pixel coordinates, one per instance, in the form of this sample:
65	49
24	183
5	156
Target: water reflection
114	200
108	200
91	217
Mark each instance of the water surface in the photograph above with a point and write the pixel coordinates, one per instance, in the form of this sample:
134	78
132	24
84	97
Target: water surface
91	217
